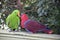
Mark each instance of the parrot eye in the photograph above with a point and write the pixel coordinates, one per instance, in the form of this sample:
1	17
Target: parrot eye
15	12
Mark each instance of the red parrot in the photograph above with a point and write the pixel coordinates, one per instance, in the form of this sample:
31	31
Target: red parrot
33	26
24	18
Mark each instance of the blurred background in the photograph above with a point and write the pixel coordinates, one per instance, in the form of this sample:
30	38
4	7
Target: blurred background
44	11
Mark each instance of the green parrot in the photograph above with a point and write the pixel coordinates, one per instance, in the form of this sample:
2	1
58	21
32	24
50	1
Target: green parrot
13	20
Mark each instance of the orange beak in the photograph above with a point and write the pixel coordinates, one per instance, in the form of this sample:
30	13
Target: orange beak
19	14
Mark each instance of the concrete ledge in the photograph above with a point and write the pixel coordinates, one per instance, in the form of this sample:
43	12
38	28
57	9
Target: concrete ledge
4	33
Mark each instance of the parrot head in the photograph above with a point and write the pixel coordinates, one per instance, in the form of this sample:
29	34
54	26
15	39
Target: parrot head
16	13
24	17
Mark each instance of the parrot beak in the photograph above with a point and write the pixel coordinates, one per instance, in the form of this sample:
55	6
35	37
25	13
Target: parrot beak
19	14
